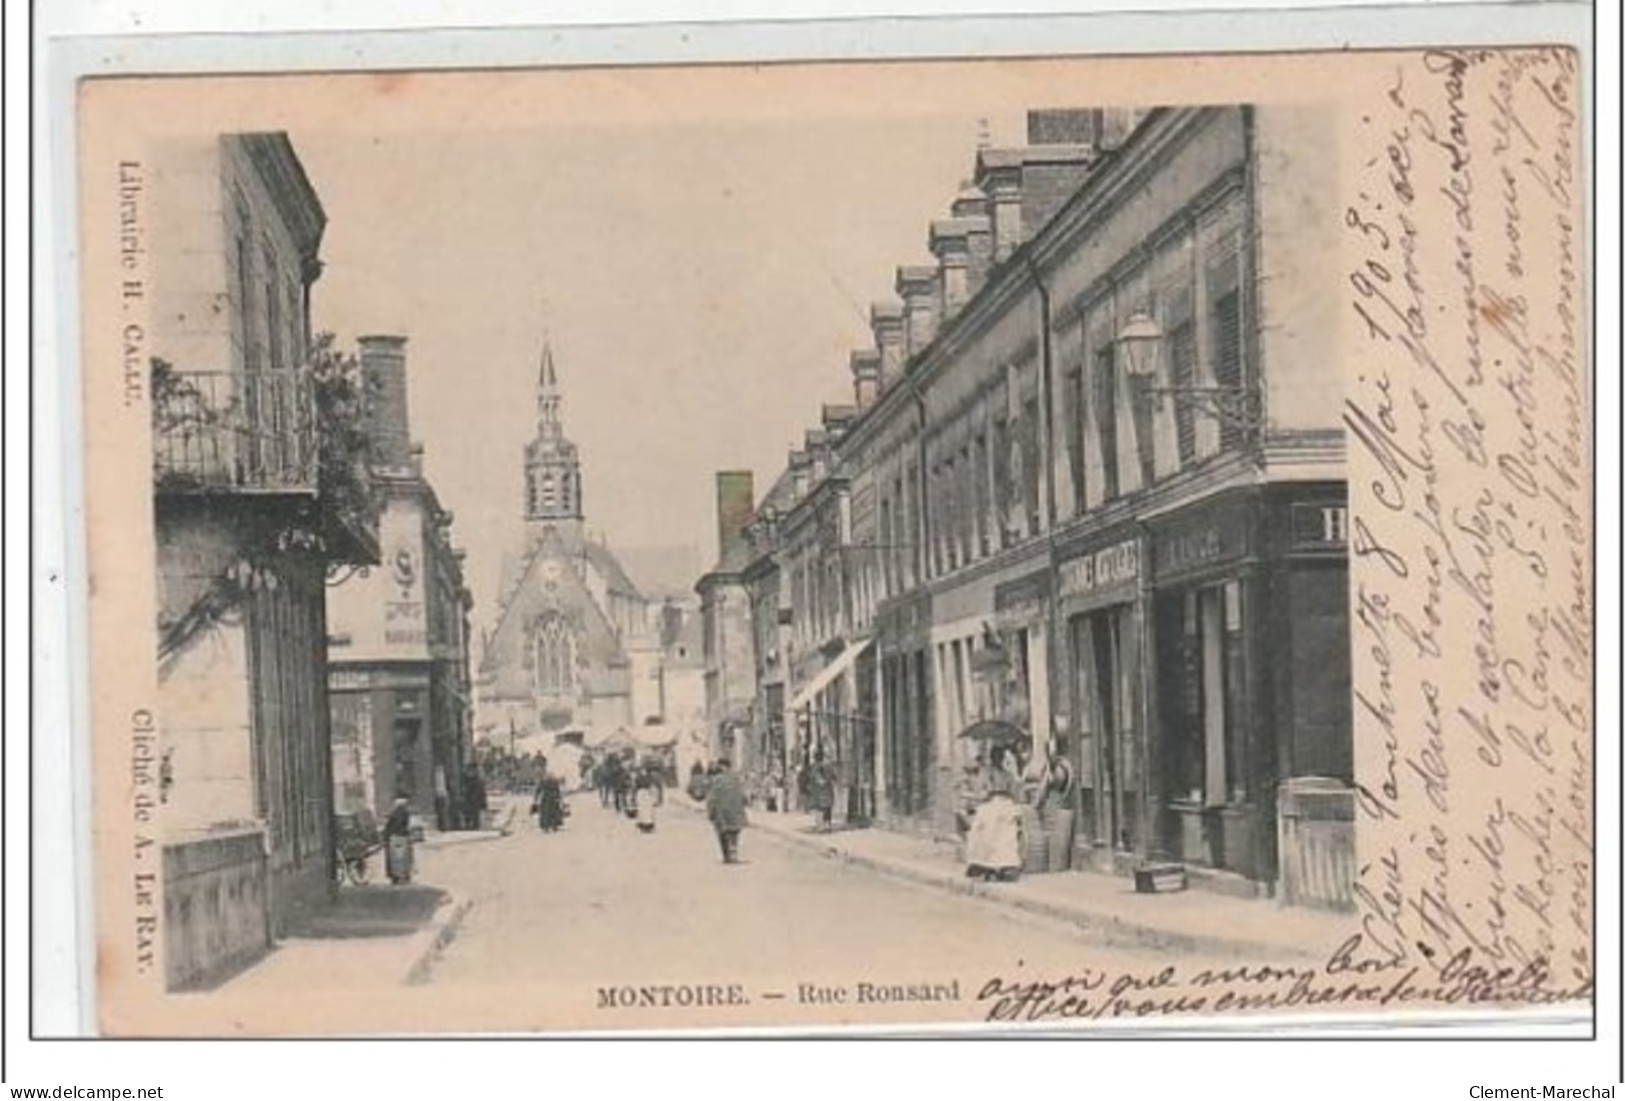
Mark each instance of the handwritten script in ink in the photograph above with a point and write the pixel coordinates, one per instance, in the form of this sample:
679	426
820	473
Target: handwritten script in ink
1348	979
1469	492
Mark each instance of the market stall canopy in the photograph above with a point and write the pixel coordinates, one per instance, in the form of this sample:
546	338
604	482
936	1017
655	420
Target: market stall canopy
995	732
617	742
656	736
570	737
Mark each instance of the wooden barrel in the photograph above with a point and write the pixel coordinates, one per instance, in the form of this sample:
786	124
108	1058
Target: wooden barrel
1060	840
1035	843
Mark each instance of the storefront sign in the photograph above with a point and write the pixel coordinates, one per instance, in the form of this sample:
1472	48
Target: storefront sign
1110	567
1319	525
1207	539
1022	592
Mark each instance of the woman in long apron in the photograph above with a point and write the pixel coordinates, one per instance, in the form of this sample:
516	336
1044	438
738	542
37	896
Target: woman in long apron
398	842
993	846
647	797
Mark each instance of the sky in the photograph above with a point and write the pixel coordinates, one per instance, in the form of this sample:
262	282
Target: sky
702	279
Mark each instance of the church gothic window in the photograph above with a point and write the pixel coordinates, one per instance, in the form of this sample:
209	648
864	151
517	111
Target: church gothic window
555	656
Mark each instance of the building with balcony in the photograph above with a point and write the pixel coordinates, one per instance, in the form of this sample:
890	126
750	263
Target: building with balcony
1095	479
398	636
260	487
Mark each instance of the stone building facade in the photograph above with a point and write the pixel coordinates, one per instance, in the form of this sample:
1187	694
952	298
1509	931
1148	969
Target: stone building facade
1096	477
398	636
254	503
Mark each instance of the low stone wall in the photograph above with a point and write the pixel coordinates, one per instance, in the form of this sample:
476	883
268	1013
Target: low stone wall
216	907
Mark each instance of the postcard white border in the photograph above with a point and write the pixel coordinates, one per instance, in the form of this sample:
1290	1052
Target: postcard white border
99	38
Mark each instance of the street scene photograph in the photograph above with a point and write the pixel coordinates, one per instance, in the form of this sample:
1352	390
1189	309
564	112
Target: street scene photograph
879	554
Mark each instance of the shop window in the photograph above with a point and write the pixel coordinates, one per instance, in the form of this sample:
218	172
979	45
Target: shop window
1205	745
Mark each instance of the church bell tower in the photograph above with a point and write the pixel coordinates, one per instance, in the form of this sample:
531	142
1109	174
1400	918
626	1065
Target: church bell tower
552	465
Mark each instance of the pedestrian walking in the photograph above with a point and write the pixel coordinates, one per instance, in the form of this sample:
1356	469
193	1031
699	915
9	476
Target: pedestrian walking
646	797
475	801
398	842
725	806
821	790
699	782
549	804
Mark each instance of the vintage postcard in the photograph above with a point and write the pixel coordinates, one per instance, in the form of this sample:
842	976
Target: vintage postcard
1058	543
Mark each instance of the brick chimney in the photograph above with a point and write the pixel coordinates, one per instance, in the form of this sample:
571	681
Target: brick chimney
865	367
800	465
736	507
1064	126
917	286
816	445
387	417
1027	186
836	420
951	244
891	340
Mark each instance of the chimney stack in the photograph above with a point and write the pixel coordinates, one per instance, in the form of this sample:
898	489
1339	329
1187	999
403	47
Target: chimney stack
917	286
865	367
800	473
736	507
386	415
951	244
1064	126
836	420
816	445
891	340
1027	186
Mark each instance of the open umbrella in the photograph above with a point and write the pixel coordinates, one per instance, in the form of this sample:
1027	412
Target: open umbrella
995	732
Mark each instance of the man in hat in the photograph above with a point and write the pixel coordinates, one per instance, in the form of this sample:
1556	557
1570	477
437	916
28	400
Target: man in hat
725	806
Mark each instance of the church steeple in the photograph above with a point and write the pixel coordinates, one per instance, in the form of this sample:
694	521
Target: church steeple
547	395
552	466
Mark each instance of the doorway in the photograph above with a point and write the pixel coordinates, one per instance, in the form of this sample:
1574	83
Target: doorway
1105	646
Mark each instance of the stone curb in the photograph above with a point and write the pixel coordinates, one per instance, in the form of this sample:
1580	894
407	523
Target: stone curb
429	943
1112	929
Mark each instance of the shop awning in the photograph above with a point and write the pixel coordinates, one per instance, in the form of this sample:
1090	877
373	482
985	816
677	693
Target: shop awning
826	676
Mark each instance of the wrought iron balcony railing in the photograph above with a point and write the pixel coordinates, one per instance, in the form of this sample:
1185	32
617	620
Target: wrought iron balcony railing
234	431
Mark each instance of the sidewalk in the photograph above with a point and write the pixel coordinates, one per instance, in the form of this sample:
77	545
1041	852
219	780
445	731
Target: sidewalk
371	936
1193	921
506	808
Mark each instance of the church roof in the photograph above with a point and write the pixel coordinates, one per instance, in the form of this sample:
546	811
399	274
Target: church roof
558	542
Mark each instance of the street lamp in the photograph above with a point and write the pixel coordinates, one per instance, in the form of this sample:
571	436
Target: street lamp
1139	344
